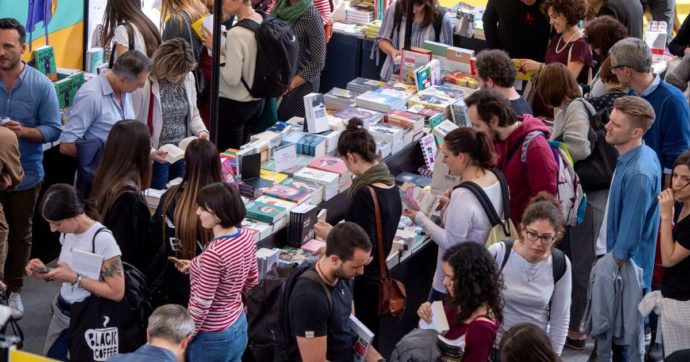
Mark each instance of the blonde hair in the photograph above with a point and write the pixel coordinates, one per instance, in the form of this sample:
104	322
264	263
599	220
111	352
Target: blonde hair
173	57
638	111
172	10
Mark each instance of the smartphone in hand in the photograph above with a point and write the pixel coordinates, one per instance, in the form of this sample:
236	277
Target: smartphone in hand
41	270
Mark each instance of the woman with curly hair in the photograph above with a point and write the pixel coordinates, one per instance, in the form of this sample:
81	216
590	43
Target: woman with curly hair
473	306
568	47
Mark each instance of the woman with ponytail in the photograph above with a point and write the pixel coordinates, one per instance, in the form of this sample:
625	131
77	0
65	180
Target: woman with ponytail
175	227
66	213
357	148
470	155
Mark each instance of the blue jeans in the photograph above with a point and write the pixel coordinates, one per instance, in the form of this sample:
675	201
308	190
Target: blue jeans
435	295
161	173
225	346
621	353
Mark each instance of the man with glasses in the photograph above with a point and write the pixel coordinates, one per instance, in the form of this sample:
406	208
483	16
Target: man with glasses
669	135
631	219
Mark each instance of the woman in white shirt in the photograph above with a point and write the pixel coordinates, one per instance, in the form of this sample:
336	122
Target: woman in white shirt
530	293
116	34
174	115
66	212
470	155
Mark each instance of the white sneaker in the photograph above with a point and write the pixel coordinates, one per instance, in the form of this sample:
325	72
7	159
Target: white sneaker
14	301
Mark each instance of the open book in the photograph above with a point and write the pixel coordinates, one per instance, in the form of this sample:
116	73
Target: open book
439	322
176	153
416	198
87	263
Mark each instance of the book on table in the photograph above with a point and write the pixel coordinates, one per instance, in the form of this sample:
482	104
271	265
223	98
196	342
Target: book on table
176	152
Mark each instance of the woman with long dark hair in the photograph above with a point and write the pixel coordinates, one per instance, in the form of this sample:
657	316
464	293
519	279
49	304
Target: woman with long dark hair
124	172
527	342
427	16
175	226
77	221
469	154
358	149
473	306
116	34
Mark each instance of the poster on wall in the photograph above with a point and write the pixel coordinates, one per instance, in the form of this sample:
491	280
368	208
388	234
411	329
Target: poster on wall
58	23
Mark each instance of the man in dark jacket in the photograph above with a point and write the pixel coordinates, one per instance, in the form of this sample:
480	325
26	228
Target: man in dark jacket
518	27
492	114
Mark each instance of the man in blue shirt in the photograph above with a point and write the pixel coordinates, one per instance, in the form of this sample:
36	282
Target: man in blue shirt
101	102
169	331
669	137
29	108
632	215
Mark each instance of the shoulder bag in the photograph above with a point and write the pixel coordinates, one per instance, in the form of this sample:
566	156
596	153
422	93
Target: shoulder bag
392	297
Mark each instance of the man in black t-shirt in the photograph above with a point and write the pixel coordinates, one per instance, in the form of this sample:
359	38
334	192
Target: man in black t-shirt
322	328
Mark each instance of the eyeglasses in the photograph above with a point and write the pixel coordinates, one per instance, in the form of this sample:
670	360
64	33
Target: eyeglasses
534	236
615	67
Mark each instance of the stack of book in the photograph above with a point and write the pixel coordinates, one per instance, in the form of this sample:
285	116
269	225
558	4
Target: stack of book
260	211
360	85
403	87
406	120
298	194
328	180
66	89
260	230
368	117
315	113
312	145
301	225
461	79
431	99
350	29
444	128
268	200
419	180
383	100
338	98
359	16
335	165
386	133
459	112
94	59
313	190
302	161
266	259
372	29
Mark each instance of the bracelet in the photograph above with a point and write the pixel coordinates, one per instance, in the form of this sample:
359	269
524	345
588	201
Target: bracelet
77	282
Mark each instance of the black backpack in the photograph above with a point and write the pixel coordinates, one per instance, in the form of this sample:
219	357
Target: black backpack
397	21
276	57
101	327
596	171
558	264
269	329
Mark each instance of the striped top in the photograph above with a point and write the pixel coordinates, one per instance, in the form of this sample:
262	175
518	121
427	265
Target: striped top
218	277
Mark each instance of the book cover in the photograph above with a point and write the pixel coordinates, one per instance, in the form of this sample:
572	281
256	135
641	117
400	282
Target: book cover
410	60
422	77
367	116
266	260
301	226
404	119
309	187
386	132
269	200
44	61
364	338
272	176
315	113
293	194
176	152
444	128
263	212
322	177
428	145
94	58
416	198
330	164
459	112
87	263
313	246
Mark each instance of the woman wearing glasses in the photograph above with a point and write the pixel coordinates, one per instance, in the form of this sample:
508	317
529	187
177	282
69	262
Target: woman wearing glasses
530	293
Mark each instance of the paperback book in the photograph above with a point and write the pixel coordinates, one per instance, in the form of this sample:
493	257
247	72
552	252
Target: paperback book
301	225
260	211
315	113
416	198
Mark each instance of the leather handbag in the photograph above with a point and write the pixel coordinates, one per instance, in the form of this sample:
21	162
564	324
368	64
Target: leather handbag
392	297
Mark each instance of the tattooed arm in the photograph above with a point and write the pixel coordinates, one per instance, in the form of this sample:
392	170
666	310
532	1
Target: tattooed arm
113	284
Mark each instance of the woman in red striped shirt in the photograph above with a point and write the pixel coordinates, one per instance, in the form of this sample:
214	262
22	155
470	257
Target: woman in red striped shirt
219	276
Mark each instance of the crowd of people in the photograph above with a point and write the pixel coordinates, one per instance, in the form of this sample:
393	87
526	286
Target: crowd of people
552	285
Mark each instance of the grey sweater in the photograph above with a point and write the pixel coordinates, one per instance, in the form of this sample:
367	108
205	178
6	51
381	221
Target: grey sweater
571	126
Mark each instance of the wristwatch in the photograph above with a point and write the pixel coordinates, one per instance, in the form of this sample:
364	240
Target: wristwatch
77	282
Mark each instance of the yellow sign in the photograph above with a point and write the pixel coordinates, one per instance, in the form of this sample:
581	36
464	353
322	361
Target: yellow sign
21	356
